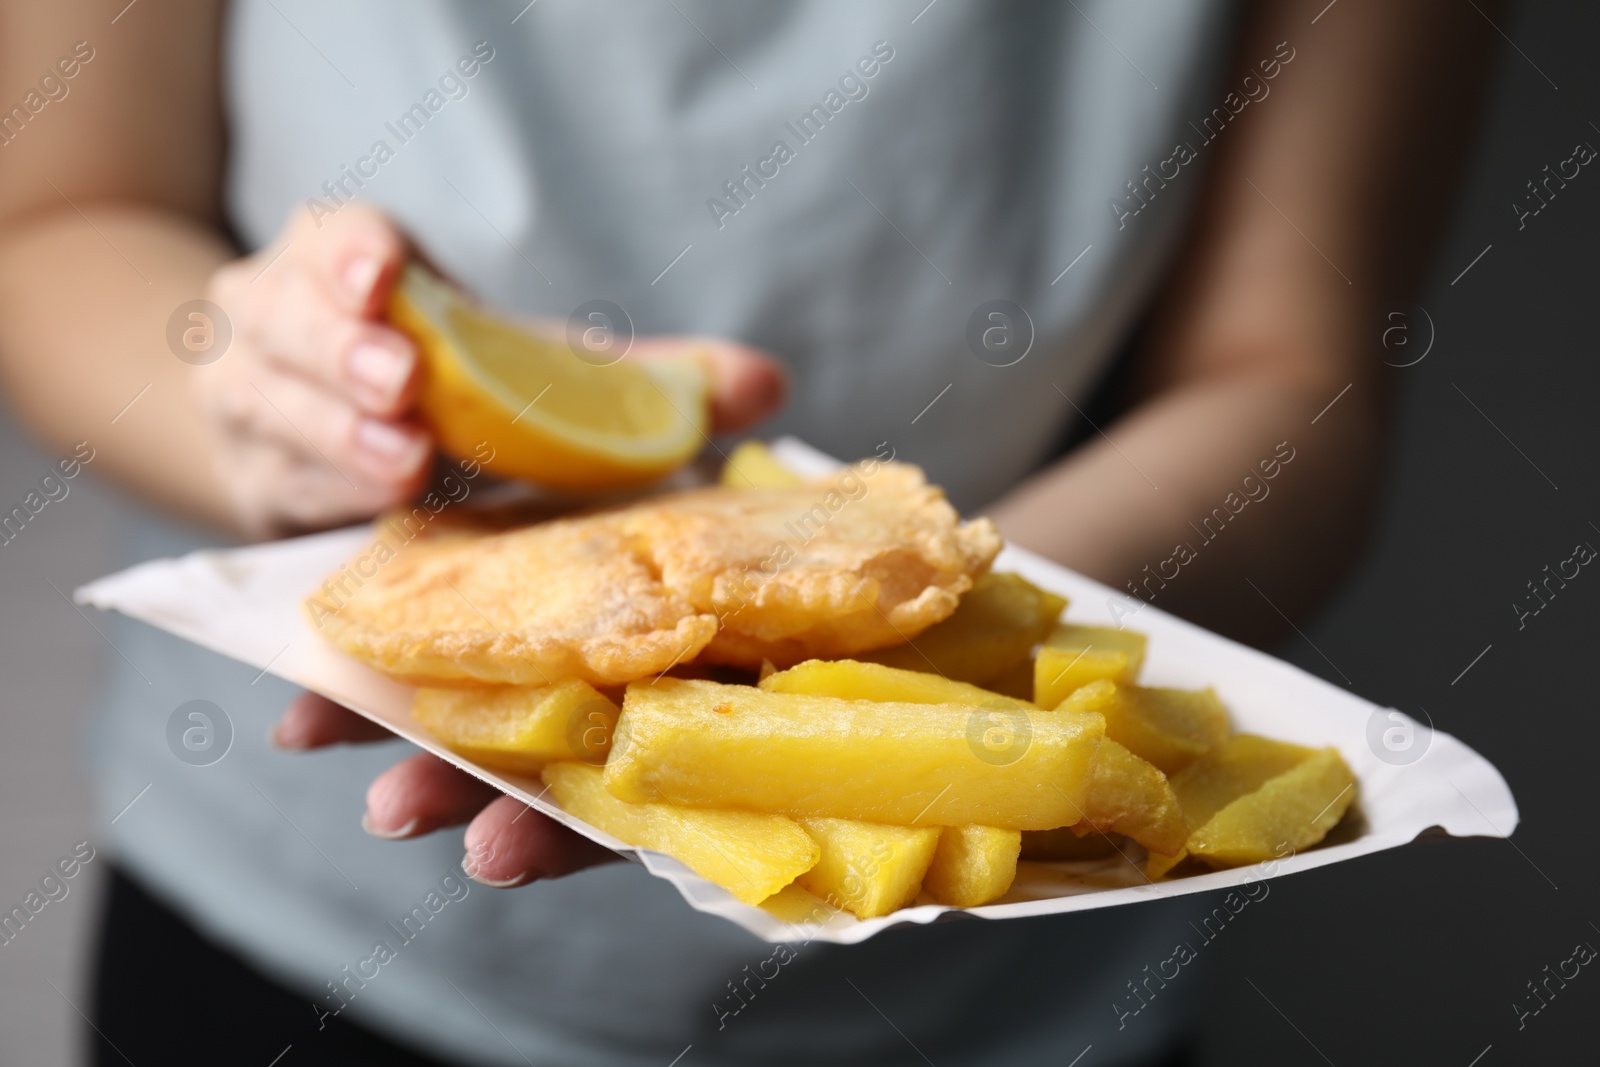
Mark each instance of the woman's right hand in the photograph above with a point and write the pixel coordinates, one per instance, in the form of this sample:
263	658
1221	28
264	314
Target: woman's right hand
311	406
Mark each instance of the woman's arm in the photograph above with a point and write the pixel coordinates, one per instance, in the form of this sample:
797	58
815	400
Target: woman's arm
109	219
1322	199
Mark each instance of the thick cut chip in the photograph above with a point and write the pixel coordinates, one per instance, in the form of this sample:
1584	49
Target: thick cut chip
1051	605
794	903
520	729
1130	796
753	466
993	630
866	868
851	679
838	566
1157	865
1239	766
1236	773
1168	727
1294	810
751	856
973	865
1073	656
701	744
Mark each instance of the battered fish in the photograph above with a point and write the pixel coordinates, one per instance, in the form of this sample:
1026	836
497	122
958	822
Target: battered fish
862	559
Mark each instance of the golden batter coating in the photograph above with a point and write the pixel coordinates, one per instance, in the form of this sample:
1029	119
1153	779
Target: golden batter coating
864	558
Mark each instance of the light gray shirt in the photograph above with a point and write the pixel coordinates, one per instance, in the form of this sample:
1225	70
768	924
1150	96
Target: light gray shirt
852	186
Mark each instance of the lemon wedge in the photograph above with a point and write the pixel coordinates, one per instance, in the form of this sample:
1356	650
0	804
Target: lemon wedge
493	388
752	465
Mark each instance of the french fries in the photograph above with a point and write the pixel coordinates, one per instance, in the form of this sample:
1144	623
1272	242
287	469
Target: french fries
1252	797
750	855
1170	728
753	466
851	679
1295	809
1073	656
1129	796
701	744
868	869
520	728
995	627
922	769
973	865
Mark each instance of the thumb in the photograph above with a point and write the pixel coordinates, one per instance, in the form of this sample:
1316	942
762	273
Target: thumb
747	384
357	253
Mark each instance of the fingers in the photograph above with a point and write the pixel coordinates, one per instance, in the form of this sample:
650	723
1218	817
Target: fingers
310	335
297	321
317	426
312	406
510	844
747	384
312	721
422	794
278	491
356	254
381	370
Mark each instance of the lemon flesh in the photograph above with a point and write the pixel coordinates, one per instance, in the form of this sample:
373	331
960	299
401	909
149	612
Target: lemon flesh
528	407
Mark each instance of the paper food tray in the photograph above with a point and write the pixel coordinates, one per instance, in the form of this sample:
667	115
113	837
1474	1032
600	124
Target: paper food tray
245	604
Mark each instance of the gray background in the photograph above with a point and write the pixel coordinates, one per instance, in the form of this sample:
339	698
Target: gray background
1417	955
1412	955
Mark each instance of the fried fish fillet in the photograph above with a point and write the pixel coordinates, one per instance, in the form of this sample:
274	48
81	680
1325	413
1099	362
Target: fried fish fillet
858	560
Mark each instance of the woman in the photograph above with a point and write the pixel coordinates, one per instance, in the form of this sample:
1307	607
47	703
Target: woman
934	226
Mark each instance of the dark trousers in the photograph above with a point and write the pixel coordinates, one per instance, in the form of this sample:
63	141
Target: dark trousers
165	995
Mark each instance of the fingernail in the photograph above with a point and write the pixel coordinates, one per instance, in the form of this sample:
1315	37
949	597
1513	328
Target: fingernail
360	273
275	735
773	389
470	869
388	443
388	835
379	368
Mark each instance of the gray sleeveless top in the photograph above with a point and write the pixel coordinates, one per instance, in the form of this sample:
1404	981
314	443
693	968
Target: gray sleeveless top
942	217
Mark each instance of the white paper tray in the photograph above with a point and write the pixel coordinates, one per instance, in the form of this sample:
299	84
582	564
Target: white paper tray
245	604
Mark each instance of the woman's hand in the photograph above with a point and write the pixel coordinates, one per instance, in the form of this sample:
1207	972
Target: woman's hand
507	844
311	407
315	359
312	410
